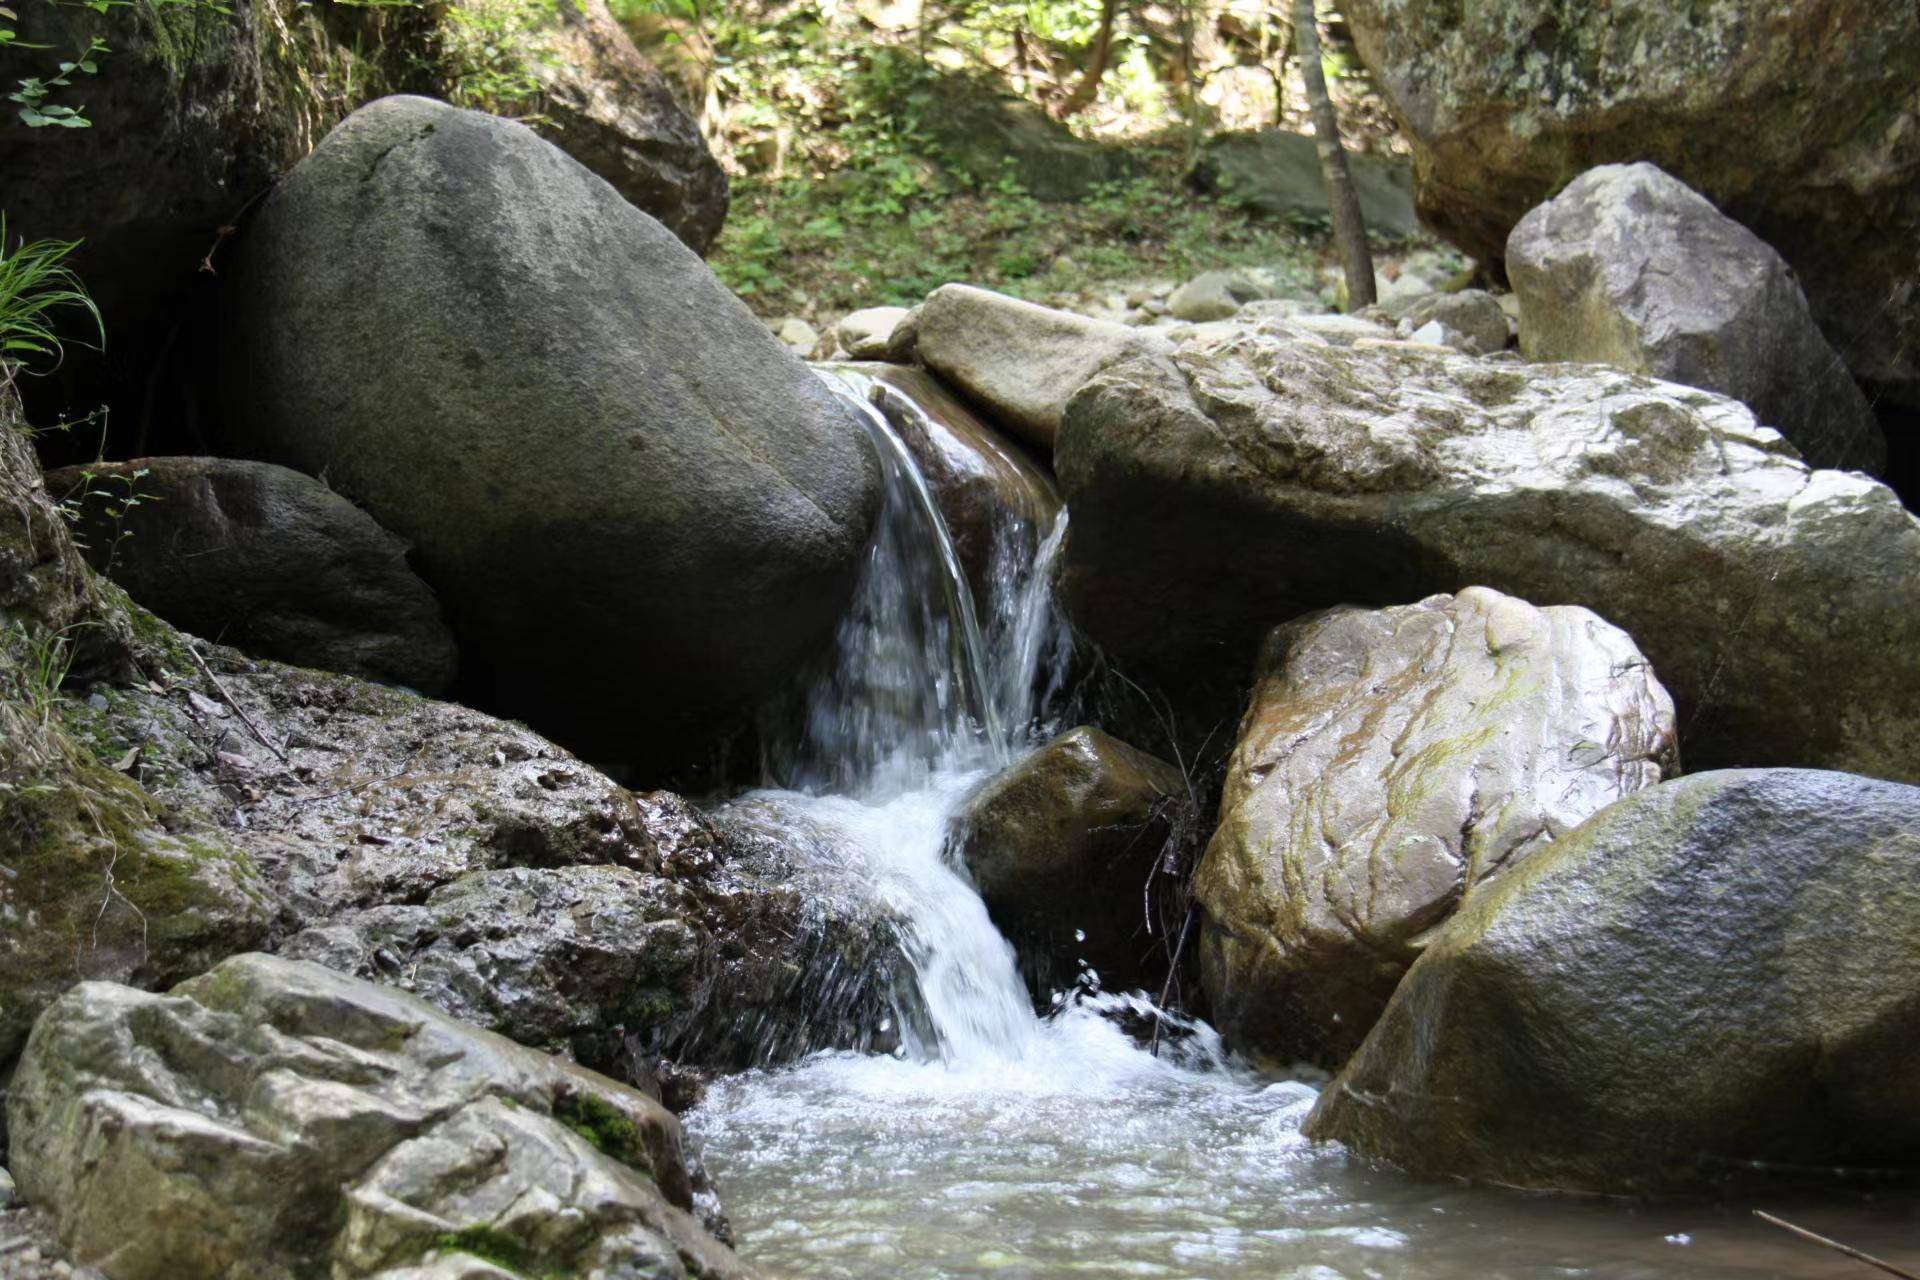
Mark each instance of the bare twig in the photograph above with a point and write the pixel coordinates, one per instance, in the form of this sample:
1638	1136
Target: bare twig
231	701
1835	1245
1166	992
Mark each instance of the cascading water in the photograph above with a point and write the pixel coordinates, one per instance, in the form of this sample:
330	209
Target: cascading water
993	1141
922	701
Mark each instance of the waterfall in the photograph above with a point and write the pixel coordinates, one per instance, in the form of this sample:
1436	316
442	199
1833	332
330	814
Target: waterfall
926	693
993	1142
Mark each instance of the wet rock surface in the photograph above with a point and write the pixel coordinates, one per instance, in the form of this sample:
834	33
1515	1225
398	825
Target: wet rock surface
271	1113
1392	763
1255	477
267	559
1629	267
1505	103
1062	846
1710	982
996	500
625	530
186	802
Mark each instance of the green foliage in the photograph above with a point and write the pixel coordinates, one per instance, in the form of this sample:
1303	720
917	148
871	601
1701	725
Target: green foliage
489	52
497	1247
114	496
35	283
801	245
32	96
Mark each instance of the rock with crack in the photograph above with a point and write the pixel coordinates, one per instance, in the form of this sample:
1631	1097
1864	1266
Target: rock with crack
272	1113
639	539
1392	763
266	559
1250	479
1709	983
1630	267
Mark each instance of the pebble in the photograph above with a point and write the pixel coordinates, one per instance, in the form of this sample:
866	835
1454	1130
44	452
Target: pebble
28	1249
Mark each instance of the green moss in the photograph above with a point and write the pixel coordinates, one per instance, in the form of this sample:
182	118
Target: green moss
603	1125
652	1006
499	1248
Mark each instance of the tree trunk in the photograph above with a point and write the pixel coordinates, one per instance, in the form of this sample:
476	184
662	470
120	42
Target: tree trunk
1088	89
1349	227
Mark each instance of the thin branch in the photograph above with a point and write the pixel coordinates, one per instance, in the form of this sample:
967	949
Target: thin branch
1835	1245
229	699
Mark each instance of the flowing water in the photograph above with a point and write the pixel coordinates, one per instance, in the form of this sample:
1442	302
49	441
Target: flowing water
998	1143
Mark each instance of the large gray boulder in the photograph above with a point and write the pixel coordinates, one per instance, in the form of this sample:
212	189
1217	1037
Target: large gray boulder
1630	267
1062	845
262	558
198	109
1505	102
640	511
1392	763
1712	980
1253	478
1018	361
272	1114
1277	173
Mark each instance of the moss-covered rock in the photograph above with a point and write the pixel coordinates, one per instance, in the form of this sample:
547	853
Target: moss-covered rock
269	1114
1711	981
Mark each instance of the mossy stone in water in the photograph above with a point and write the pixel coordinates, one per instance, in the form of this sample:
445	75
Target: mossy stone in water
1712	980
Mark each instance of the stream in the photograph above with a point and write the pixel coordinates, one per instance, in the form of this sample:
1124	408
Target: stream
995	1142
